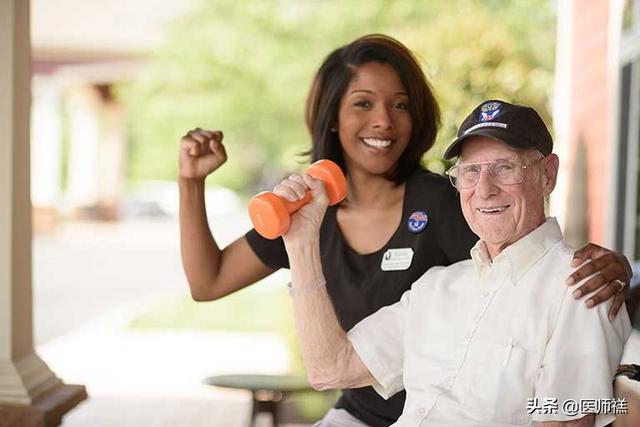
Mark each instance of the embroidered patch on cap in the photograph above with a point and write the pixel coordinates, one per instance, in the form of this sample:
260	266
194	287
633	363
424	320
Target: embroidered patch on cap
417	221
489	111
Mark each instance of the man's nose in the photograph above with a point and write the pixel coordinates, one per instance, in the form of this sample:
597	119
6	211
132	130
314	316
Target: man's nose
486	186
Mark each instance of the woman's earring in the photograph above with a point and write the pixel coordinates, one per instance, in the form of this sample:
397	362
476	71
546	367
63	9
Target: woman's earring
334	130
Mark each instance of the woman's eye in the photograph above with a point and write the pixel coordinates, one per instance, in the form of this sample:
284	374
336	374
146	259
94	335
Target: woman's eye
363	104
401	105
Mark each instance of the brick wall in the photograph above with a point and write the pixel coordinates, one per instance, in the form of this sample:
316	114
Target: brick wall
591	116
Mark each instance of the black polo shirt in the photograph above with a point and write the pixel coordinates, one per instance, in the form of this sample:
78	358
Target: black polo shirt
432	228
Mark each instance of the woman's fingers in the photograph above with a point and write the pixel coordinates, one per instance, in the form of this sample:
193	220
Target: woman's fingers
190	146
599	258
199	142
597	279
201	153
605	265
610	290
587	252
216	145
618	300
605	291
197	135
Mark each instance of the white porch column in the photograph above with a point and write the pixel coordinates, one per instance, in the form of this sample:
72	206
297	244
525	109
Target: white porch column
83	162
24	378
46	142
112	155
46	151
562	110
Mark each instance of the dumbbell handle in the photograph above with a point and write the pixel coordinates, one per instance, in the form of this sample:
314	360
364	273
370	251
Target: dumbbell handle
291	207
298	204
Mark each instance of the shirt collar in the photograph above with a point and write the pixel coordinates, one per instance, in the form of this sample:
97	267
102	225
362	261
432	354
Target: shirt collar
520	255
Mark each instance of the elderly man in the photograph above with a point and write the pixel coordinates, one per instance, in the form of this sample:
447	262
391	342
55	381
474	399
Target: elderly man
495	340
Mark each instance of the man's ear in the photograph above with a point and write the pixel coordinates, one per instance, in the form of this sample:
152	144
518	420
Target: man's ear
550	165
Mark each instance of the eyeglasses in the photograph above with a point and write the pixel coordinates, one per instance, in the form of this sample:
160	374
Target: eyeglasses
507	172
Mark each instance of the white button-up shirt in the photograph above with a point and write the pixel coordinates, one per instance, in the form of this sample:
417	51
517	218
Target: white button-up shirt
472	343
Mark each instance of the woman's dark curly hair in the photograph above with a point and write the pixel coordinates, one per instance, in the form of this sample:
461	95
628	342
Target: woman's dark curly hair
330	84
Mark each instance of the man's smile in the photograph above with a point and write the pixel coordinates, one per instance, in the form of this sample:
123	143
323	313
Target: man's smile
493	209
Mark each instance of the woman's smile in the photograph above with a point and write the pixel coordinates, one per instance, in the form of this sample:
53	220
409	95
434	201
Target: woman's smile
374	120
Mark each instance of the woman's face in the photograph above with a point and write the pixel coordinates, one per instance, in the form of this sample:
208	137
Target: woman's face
374	123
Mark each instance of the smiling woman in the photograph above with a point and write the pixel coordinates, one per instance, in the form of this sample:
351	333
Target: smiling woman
373	121
373	75
372	111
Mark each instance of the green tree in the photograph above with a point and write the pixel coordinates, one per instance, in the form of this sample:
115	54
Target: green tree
246	68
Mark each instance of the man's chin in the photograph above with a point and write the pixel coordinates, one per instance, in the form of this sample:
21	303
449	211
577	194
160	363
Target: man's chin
493	232
498	238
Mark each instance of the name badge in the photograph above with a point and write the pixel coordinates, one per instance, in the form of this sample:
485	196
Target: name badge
396	259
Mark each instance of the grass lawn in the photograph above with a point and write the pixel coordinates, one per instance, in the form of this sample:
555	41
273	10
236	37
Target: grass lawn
259	308
249	310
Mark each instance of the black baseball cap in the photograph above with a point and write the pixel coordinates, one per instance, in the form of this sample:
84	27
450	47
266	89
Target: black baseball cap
516	125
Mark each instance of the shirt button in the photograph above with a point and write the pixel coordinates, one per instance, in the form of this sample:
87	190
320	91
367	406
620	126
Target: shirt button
422	411
486	294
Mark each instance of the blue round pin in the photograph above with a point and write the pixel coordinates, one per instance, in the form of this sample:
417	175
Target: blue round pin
417	221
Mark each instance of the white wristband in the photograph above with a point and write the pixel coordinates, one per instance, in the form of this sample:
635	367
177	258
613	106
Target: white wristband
303	289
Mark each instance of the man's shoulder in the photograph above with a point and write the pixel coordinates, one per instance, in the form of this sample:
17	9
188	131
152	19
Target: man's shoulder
556	262
563	247
551	271
555	268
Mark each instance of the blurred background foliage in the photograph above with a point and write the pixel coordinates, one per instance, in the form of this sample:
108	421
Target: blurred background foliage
246	69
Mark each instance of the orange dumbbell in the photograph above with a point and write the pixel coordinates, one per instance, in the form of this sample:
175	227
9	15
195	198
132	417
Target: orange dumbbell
271	214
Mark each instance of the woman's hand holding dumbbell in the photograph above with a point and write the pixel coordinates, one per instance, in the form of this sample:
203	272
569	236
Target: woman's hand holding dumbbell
201	152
